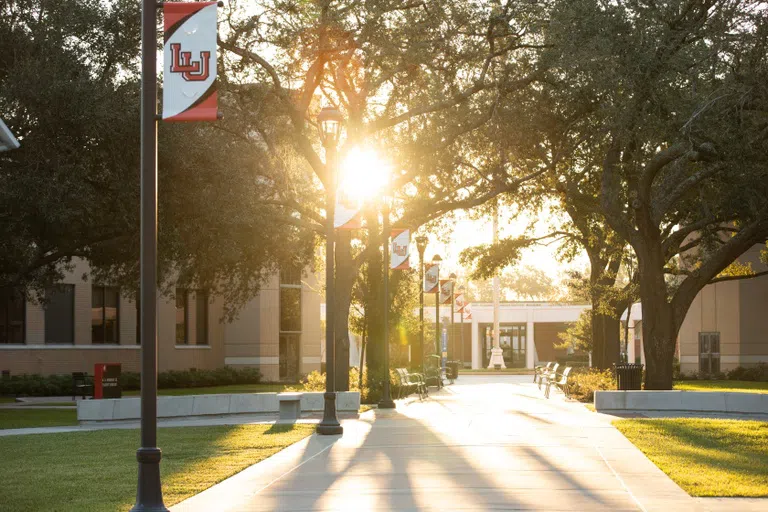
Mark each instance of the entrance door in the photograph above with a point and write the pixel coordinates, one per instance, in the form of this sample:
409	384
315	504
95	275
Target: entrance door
511	341
709	352
289	357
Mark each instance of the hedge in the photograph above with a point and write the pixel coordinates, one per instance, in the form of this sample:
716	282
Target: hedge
61	385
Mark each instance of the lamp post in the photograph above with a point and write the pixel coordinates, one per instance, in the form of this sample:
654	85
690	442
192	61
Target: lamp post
452	339
330	120
386	400
436	261
421	245
461	311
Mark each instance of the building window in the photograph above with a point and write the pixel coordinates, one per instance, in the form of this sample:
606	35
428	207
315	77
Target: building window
12	313
290	323
201	316
105	311
709	352
182	316
60	314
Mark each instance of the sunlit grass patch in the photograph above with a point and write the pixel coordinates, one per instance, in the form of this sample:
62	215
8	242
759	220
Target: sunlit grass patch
96	471
27	418
743	386
217	390
706	457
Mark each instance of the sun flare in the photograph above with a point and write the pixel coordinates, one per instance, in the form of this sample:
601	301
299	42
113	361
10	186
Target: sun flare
364	174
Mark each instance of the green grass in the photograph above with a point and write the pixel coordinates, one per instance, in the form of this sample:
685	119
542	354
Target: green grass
7	400
218	390
52	404
26	418
706	457
743	386
364	408
96	471
591	407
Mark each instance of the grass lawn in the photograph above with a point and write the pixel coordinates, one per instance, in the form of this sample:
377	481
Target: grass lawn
744	386
218	390
25	418
54	404
706	457
7	400
96	471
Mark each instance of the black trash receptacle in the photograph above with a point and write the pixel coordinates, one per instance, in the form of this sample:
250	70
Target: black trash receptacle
452	370
629	376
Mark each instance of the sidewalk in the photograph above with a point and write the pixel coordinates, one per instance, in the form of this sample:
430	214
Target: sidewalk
485	443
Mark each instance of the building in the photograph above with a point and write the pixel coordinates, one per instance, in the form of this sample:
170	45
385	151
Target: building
84	323
725	327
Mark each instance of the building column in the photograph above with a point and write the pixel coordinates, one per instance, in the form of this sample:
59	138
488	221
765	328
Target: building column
477	354
631	343
530	346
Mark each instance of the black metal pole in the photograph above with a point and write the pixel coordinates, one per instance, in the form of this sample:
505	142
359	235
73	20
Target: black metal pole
421	310
437	322
330	424
452	340
149	493
386	400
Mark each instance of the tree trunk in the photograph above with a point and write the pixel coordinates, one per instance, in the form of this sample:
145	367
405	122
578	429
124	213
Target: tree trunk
659	329
345	278
605	340
374	305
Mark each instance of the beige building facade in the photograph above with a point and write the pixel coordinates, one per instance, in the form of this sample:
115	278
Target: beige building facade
84	323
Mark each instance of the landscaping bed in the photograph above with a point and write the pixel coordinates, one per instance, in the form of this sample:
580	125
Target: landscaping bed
706	457
96	471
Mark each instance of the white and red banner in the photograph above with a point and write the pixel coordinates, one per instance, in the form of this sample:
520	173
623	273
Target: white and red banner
458	302
189	71
468	312
347	214
446	291
400	251
431	273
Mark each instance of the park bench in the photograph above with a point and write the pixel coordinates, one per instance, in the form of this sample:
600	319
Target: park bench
81	384
410	382
538	369
545	373
559	380
289	406
433	372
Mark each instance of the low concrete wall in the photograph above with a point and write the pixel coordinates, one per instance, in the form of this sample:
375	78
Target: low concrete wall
683	401
121	409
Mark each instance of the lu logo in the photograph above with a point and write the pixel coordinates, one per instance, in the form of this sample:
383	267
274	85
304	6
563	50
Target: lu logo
191	71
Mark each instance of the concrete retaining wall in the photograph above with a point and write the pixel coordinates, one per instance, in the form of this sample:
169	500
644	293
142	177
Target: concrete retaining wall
122	409
683	401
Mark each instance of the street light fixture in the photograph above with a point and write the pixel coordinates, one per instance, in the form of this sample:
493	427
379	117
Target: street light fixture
421	245
330	120
386	401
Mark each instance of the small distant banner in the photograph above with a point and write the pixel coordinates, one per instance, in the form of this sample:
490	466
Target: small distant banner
347	214
400	253
431	272
468	312
446	291
189	71
458	302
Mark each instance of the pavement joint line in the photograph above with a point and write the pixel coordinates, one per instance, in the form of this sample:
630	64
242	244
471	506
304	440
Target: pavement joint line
295	467
621	480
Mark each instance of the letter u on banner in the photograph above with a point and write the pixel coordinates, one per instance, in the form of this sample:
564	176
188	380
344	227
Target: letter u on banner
189	70
446	291
430	278
400	252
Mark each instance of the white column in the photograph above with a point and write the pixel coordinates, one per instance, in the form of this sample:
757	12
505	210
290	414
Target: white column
477	354
530	347
631	344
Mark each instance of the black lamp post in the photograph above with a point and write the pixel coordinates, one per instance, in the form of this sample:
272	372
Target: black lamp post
386	401
421	245
461	329
330	120
436	259
452	340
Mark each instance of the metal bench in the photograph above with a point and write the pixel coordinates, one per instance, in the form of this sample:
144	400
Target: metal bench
537	370
560	381
545	373
81	384
410	382
289	406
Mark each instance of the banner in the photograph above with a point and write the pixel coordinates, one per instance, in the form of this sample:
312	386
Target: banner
467	312
430	277
347	213
189	70
400	251
446	291
458	302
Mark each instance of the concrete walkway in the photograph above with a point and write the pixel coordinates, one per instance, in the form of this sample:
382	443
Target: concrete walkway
485	443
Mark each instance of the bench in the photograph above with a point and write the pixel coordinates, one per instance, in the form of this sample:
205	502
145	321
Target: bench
560	381
545	373
538	369
82	384
410	382
289	406
433	373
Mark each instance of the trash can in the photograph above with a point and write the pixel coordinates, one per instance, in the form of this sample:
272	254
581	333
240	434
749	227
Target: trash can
629	376
452	370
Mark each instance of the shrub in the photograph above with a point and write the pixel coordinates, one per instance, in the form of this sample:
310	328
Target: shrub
758	373
372	386
583	383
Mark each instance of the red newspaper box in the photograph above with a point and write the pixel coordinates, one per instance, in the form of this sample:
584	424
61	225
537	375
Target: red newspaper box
106	381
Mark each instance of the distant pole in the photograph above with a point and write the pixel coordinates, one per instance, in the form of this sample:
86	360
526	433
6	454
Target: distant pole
497	355
149	492
386	400
421	245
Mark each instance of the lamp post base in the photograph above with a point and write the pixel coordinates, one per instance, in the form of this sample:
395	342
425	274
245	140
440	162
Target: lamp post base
497	359
149	496
387	404
330	425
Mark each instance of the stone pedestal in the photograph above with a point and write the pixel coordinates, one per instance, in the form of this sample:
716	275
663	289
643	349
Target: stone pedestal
497	359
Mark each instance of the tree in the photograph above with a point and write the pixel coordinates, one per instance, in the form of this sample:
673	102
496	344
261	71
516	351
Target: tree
579	335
